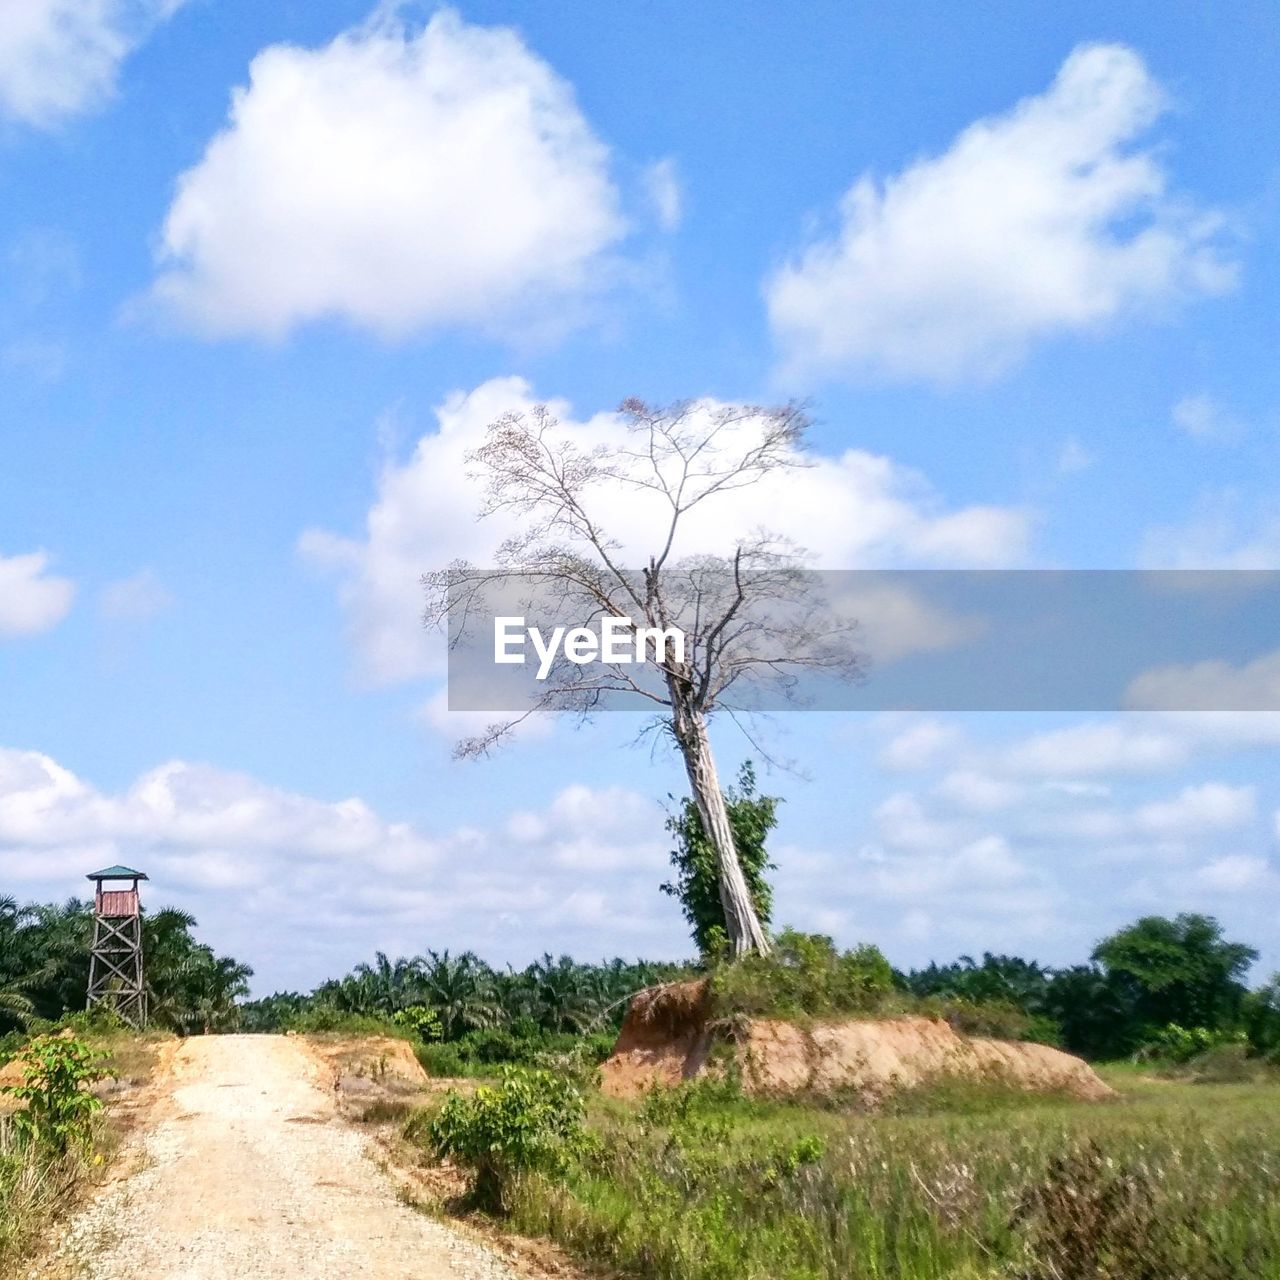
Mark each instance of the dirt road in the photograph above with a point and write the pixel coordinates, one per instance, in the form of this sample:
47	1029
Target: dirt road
248	1173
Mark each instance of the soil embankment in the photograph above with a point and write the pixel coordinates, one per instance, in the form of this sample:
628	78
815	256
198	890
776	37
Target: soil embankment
669	1034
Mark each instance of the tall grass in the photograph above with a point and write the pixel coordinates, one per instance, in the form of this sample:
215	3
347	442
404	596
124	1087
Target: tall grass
32	1187
1173	1182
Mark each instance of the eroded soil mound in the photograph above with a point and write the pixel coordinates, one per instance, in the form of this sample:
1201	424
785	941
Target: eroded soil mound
669	1033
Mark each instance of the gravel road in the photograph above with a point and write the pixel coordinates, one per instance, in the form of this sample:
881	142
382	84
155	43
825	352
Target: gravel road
249	1173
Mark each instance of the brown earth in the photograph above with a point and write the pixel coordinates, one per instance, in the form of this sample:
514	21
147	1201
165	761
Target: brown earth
669	1033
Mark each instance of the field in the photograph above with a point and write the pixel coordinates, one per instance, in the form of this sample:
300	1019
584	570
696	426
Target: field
1173	1179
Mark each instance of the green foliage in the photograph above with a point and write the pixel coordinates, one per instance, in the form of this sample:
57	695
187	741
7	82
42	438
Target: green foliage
44	966
697	880
1174	1043
1262	1019
1169	1181
804	976
425	1023
479	1053
532	1122
57	1108
1176	971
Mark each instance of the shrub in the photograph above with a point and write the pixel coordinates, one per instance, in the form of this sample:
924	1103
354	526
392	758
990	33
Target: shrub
423	1022
804	975
998	1019
57	1107
1173	1043
532	1122
445	1060
322	1018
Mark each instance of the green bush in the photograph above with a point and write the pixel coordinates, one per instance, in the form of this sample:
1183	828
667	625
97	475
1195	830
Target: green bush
1177	1044
57	1108
996	1019
532	1122
804	976
423	1022
324	1018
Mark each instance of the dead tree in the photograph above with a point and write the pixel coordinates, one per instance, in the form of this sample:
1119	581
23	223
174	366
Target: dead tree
750	616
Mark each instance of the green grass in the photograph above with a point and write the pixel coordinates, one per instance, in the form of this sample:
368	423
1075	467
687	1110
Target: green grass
1172	1180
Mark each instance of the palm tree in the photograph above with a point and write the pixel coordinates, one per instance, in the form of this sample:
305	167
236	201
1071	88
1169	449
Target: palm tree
461	990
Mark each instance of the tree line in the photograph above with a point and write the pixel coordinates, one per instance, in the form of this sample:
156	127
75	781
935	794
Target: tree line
44	968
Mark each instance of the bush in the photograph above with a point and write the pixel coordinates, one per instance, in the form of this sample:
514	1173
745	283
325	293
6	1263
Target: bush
57	1107
322	1018
1177	1044
423	1022
530	1123
997	1019
804	975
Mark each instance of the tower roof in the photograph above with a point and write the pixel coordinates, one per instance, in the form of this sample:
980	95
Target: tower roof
117	873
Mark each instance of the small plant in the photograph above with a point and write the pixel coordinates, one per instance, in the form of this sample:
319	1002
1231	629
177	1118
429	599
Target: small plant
57	1107
532	1122
424	1022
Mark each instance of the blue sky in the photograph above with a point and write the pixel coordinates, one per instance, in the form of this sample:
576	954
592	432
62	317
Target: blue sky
1022	261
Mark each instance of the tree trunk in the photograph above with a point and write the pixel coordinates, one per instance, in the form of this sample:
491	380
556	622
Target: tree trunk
741	922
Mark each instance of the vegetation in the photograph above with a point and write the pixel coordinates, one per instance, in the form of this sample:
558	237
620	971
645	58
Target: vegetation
531	1122
697	880
467	1016
698	1184
47	1143
44	968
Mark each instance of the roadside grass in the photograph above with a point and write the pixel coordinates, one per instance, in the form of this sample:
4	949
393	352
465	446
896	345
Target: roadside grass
38	1186
1171	1180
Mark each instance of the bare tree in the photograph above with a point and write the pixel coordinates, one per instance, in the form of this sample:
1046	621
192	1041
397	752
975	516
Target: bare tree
750	618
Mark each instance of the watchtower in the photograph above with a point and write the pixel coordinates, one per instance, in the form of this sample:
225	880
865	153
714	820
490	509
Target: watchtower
115	960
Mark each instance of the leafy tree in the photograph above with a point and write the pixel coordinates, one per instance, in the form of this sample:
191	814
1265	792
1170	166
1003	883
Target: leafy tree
1176	971
697	880
748	618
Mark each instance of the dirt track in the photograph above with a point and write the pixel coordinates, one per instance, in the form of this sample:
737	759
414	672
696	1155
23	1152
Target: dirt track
248	1173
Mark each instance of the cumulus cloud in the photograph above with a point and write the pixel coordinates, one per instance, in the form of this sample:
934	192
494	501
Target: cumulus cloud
1048	219
60	58
853	510
260	865
32	599
396	179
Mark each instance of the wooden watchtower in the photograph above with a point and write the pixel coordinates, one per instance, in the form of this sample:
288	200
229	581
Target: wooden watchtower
115	960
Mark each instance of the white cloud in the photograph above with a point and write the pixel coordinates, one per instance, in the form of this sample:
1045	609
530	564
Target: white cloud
856	509
135	599
1238	873
919	746
662	183
1221	534
263	868
1101	747
1045	220
60	58
1211	806
1074	458
32	600
1203	418
1211	685
395	179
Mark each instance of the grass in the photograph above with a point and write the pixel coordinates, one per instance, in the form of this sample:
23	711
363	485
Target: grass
1173	1180
35	1187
